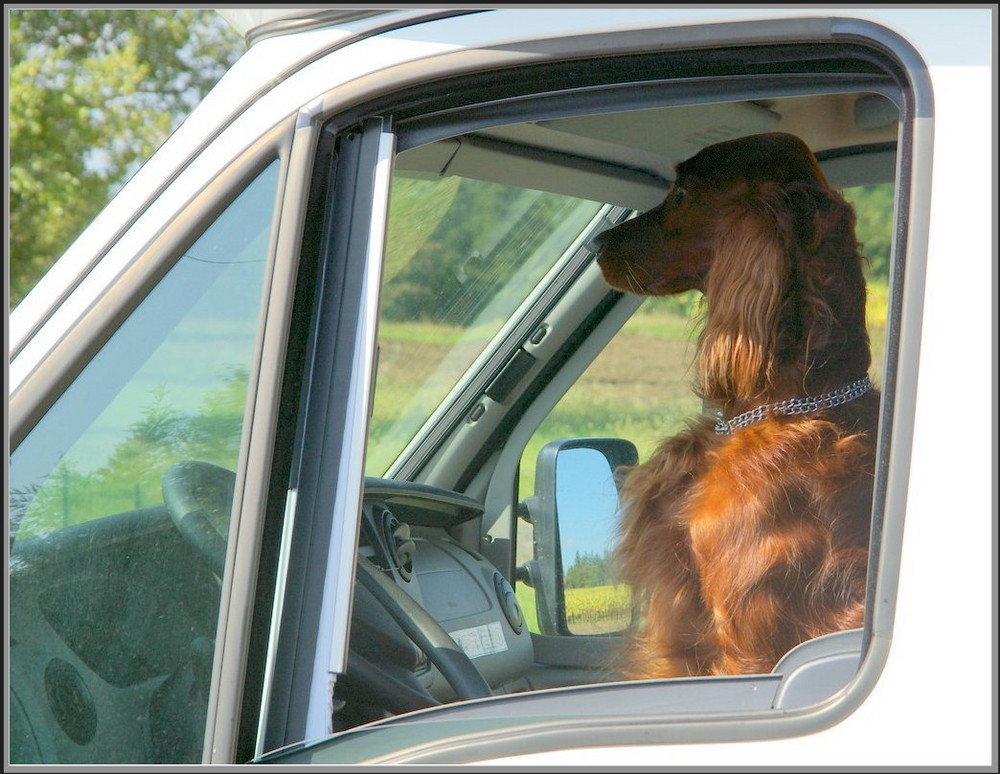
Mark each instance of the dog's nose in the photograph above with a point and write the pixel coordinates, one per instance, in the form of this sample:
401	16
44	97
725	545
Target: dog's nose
600	241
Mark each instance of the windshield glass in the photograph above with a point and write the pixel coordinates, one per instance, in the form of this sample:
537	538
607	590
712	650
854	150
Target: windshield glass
462	256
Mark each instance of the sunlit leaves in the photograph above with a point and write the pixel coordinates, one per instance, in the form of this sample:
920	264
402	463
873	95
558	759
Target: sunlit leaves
93	92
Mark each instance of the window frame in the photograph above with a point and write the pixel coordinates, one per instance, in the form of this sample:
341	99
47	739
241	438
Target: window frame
903	66
315	571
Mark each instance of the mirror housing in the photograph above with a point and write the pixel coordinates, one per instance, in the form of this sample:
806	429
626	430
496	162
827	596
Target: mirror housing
575	474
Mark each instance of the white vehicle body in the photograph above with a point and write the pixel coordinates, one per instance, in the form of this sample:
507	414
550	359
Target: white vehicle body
925	692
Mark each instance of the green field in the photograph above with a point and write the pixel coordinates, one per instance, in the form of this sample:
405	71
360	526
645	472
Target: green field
594	610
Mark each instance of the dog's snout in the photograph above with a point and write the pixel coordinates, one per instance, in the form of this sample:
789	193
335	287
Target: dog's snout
600	241
607	240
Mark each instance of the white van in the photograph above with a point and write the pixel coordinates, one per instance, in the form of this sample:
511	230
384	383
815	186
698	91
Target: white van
283	420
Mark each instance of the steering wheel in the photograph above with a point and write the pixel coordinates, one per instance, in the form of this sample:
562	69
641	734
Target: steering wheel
199	498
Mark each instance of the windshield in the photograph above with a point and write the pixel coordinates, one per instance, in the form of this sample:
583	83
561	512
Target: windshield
462	257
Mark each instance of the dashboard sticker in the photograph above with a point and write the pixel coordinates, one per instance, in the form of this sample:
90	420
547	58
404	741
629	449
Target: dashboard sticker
483	640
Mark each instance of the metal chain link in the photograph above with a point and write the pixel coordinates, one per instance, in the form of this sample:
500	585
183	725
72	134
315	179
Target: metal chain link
794	406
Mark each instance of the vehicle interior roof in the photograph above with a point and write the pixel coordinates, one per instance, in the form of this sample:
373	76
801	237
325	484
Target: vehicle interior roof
628	158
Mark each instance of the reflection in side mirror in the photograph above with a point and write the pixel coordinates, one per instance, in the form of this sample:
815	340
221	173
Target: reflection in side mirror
575	517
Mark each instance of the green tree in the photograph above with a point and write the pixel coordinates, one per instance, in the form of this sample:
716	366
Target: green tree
588	570
873	206
132	475
452	245
92	93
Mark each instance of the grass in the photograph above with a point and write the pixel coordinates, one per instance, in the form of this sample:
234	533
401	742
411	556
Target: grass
593	610
639	388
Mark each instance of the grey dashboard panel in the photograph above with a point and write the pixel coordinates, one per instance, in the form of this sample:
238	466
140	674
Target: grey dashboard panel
464	594
423	505
461	590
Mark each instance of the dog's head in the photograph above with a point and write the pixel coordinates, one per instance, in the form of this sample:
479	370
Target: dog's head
670	248
753	224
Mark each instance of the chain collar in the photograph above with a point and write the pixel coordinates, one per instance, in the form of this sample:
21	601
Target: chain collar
796	406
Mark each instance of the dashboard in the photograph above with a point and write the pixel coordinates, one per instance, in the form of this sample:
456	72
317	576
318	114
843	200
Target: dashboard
406	533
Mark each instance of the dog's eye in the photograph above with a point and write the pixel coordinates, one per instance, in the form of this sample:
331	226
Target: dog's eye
679	194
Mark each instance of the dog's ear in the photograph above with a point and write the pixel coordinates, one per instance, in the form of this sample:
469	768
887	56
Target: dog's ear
830	293
786	285
745	291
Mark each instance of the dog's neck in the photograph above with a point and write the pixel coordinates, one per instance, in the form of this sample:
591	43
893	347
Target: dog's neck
788	407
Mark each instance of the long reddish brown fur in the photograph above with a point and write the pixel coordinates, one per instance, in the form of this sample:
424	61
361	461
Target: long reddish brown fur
740	546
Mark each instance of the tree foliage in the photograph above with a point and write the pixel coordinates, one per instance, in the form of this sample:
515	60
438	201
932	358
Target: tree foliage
873	209
92	93
589	569
132	475
454	244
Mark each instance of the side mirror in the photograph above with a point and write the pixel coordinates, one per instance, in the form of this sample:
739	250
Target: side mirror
575	517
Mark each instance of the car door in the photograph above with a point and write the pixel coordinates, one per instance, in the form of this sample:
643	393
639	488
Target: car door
223	655
472	438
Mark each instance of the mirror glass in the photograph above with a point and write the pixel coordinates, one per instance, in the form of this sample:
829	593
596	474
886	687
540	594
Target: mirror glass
587	503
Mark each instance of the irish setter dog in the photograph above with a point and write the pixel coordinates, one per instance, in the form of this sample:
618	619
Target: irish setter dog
748	532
